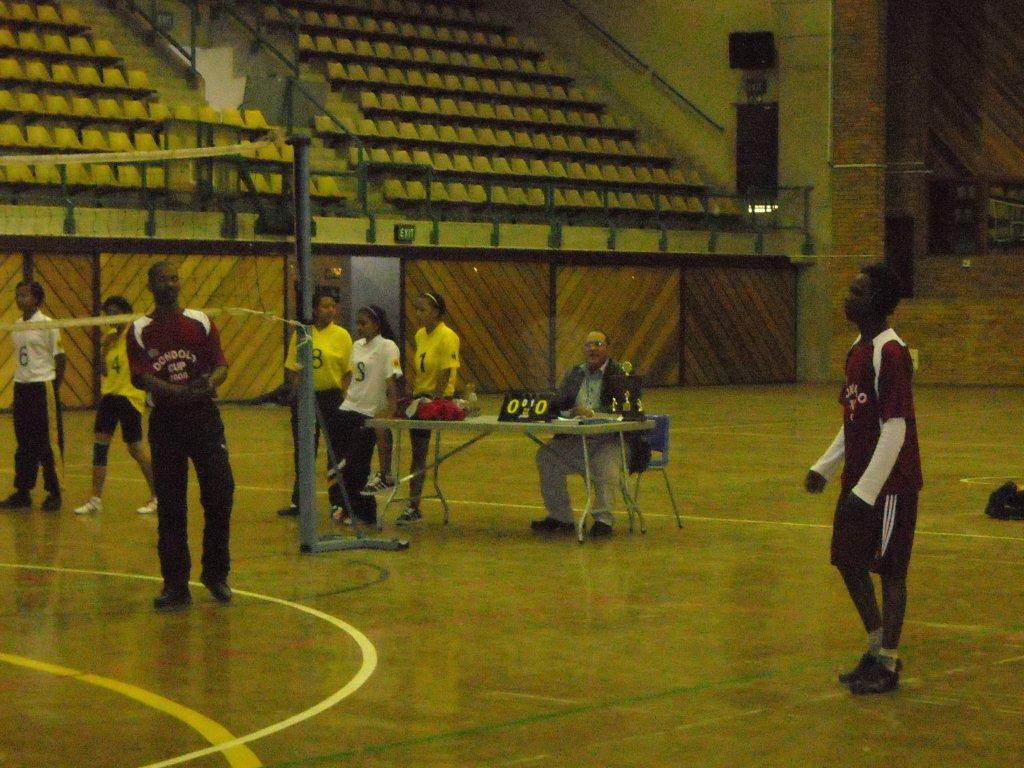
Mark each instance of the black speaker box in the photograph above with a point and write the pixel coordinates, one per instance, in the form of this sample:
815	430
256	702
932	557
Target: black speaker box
751	50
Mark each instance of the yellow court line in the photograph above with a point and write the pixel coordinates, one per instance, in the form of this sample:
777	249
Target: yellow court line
365	671
215	733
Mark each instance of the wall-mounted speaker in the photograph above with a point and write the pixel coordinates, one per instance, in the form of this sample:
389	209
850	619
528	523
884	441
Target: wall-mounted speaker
751	50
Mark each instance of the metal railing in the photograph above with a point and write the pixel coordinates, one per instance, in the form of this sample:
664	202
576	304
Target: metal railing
155	26
639	63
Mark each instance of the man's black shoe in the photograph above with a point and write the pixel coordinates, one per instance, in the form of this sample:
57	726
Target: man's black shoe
600	530
173	600
289	511
865	663
877	678
17	500
51	503
551	525
219	589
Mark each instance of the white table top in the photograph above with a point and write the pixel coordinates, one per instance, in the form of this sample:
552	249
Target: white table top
491	424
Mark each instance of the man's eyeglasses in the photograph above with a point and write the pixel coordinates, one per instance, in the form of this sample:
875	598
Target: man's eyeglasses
594	344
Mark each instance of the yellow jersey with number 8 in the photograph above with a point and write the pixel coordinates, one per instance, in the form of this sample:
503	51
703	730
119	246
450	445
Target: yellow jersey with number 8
436	352
332	348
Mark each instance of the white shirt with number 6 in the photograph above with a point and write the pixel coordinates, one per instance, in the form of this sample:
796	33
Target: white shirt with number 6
35	351
372	363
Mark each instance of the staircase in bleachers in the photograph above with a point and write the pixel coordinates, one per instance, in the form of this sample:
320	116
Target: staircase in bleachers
460	115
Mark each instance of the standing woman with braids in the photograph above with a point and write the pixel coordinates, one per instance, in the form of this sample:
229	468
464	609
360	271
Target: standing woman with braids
434	367
371	390
121	403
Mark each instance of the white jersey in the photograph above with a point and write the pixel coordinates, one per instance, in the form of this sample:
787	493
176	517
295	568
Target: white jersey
35	351
372	363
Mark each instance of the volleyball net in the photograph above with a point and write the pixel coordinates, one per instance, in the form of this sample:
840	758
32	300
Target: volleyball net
202	192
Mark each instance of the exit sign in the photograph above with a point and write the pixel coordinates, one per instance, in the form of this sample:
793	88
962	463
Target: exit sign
405	233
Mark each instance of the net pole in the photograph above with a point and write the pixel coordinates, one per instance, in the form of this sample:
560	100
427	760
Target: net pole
306	415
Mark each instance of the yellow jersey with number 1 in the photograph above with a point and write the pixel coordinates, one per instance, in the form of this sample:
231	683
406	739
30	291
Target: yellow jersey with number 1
436	352
117	379
332	348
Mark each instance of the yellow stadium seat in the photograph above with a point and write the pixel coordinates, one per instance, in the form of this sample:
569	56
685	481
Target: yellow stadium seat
394	189
103	175
387	129
10	135
457	193
499	196
145	142
19	174
500	165
557	170
254	119
7	102
47	14
94	141
31	103
114	78
643	175
541	141
82	107
129	176
429	133
443	162
517	197
232	117
36	72
29	42
80	46
135	111
462	164
208	115
519	167
88	76
22	12
38	137
538	168
47	175
306	42
63	74
438	193
321	43
610	173
155	177
416	191
481	165
109	109
626	175
324	124
7	39
10	69
77	175
119	141
448	135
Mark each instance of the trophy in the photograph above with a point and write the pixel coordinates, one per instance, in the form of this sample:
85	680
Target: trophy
626	398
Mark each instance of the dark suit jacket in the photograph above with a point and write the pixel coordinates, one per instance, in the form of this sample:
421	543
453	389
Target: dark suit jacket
573	380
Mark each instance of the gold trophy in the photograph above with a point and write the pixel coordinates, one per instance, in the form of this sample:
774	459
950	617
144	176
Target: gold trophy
632	406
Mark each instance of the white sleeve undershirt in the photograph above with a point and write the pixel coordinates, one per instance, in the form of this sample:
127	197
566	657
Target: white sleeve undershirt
890	442
830	460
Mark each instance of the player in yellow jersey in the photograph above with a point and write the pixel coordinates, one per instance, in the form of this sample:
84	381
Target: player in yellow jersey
120	403
332	347
433	375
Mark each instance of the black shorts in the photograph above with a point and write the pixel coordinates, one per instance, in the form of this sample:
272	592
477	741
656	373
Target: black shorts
881	539
118	409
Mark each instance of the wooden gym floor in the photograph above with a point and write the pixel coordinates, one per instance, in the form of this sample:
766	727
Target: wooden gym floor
715	645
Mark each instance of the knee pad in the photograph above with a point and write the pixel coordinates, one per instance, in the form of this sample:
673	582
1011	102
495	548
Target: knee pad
99	454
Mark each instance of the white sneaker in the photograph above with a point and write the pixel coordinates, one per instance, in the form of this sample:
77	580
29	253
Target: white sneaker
378	484
92	507
148	508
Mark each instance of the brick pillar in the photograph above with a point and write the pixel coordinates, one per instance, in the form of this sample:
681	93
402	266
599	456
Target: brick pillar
858	126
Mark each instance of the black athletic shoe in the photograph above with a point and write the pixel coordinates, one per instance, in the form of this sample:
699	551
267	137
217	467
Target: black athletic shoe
289	511
17	500
52	503
219	589
865	663
173	600
599	530
550	525
877	678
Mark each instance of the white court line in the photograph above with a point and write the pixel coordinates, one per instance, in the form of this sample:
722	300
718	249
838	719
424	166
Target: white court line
533	696
1011	660
366	669
984	480
751	521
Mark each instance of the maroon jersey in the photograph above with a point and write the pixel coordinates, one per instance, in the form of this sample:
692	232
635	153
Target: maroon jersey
877	388
177	350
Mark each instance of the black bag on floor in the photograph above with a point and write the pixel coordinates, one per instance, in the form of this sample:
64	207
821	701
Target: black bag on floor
1006	502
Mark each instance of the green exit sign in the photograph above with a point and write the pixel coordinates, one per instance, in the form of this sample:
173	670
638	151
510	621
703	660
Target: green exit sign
405	233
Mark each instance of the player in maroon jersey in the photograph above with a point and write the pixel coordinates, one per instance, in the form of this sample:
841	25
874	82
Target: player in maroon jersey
175	355
873	529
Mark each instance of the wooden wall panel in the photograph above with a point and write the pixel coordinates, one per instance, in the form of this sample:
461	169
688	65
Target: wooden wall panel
11	271
638	307
253	346
499	310
68	282
739	325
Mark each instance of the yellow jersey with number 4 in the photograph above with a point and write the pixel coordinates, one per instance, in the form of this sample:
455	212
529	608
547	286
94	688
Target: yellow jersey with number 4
436	352
332	348
116	379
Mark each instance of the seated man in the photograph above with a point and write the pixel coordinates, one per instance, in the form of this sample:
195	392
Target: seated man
583	392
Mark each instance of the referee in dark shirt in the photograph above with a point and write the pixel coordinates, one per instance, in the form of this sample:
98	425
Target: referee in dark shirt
175	355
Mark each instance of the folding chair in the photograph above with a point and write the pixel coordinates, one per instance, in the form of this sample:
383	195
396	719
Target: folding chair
658	439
